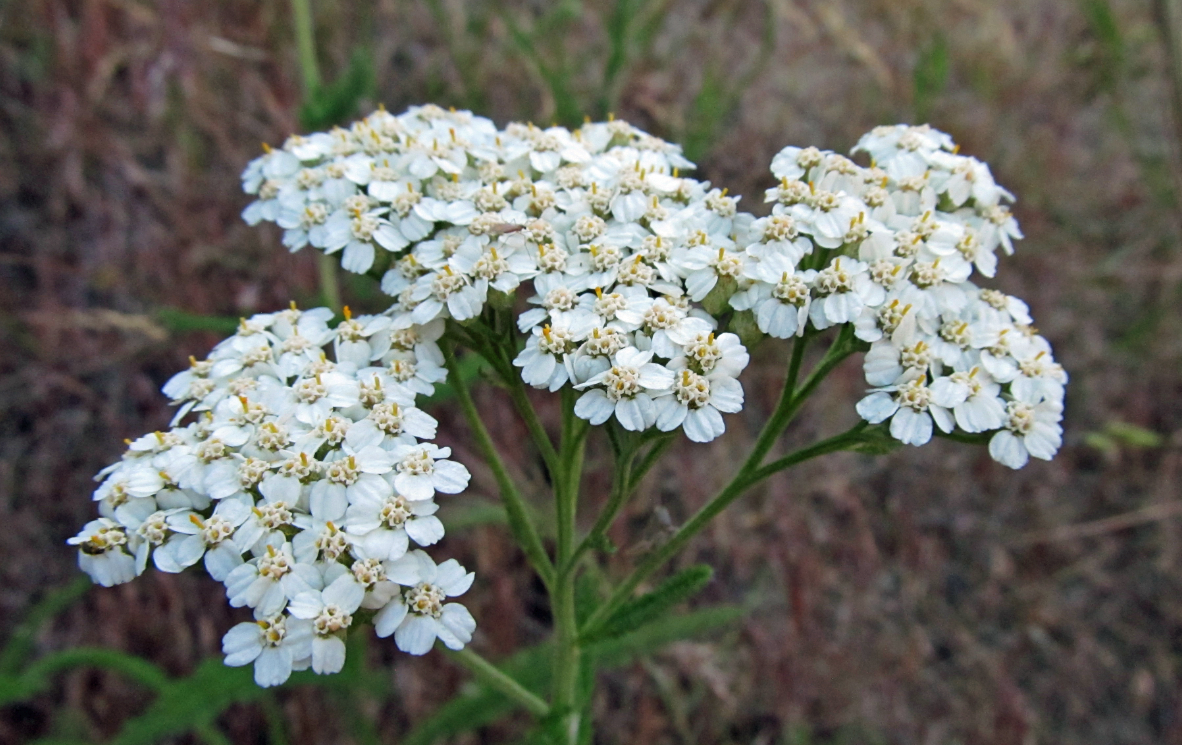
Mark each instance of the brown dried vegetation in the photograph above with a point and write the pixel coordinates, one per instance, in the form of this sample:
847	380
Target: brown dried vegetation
923	597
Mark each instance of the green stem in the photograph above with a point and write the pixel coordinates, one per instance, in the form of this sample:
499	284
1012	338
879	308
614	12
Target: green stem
844	441
493	677
526	409
562	599
621	482
515	507
301	11
567	653
330	287
658	449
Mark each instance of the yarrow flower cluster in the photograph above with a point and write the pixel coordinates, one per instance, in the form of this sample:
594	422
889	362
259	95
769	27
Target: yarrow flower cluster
298	469
890	249
619	248
302	483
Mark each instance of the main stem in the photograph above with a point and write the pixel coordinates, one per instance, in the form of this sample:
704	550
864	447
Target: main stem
565	478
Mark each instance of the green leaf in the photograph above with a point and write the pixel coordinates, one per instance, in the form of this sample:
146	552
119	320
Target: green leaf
622	650
37	677
20	644
336	101
876	440
931	74
180	321
650	607
192	702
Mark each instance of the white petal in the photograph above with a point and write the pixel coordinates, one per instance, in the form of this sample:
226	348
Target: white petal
328	654
416	634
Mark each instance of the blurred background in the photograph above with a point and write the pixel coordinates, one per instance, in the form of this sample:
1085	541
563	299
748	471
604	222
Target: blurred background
930	596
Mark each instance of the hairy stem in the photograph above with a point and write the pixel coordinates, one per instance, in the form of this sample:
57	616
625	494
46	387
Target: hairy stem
654	454
526	409
622	481
562	598
493	677
515	507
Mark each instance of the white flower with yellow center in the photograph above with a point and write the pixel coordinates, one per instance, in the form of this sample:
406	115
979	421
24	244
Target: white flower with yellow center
911	409
625	389
383	527
421	470
1032	428
331	612
840	291
102	552
974	398
696	403
421	614
268	582
211	538
276	645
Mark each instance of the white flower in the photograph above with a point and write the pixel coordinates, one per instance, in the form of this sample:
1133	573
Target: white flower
269	581
422	470
348	478
420	615
710	354
669	327
384	526
331	612
102	552
211	538
542	362
276	645
779	297
840	292
696	404
973	397
627	389
1031	429
911	410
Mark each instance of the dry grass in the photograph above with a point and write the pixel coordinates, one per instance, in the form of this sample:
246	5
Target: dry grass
897	600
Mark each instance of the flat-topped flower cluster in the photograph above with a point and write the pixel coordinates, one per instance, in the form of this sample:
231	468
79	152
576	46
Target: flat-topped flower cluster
618	248
302	482
298	468
890	249
634	268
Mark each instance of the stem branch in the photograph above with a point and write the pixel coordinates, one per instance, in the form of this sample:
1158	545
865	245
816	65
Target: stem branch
515	507
751	472
493	677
